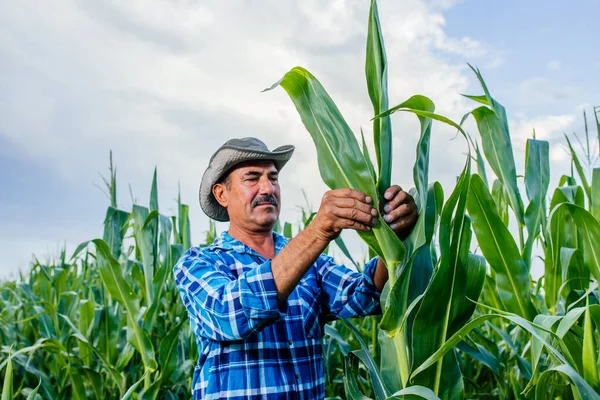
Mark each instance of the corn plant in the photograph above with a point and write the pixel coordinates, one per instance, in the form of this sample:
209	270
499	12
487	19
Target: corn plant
430	298
462	315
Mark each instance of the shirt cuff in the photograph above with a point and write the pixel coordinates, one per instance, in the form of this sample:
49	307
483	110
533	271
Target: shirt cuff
369	273
259	297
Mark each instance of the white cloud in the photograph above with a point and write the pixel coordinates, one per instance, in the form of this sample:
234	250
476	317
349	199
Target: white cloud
165	83
553	65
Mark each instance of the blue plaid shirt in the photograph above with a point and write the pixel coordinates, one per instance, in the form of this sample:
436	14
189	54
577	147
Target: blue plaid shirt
250	348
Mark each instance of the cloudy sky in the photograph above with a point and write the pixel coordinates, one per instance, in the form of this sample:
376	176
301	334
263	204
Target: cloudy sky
164	83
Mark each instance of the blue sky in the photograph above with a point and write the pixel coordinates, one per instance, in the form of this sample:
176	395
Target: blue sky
81	78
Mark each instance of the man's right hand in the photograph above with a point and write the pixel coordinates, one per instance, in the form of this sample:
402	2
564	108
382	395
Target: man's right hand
343	209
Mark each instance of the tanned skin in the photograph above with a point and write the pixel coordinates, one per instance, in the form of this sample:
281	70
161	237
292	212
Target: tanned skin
252	197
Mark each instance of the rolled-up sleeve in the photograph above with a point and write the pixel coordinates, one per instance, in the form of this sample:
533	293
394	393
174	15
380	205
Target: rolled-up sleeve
347	293
223	308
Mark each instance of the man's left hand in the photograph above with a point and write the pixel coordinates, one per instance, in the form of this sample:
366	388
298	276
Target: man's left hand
399	211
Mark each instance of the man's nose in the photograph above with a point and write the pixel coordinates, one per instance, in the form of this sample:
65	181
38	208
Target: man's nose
266	186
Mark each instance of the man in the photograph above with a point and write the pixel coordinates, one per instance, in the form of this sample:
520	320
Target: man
257	303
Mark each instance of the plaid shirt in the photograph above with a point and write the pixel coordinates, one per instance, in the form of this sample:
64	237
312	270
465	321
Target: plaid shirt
248	346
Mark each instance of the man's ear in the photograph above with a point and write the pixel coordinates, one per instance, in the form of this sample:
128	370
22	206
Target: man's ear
220	192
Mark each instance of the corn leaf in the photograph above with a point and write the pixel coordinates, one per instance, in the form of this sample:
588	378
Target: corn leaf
499	197
445	306
590	353
498	152
537	179
580	388
7	386
419	391
596	193
579	168
341	162
492	124
500	251
589	231
474	323
377	85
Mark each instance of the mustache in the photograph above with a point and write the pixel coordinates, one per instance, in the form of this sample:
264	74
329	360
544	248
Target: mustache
269	198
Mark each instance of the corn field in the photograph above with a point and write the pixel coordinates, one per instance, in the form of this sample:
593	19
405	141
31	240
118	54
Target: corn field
462	316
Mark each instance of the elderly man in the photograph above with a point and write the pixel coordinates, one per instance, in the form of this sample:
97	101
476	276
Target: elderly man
256	302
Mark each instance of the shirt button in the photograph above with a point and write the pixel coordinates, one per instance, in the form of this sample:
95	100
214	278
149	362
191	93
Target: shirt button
290	342
297	376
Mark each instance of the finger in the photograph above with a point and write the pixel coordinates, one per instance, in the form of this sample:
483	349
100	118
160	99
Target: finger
350	224
346	202
391	192
400	198
404	222
402	211
353	194
354	214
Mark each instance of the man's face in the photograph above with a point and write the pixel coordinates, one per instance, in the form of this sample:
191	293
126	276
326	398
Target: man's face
251	195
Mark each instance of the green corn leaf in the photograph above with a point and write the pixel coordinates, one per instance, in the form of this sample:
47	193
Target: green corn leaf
335	335
596	193
86	318
498	152
376	73
501	251
7	386
409	287
287	230
145	227
121	291
33	393
421	167
129	394
445	306
365	151
482	355
351	372
481	165
590	352
184	226
579	168
154	193
547	322
117	377
341	162
499	197
167	351
465	329
537	179
418	391
492	124
381	391
580	388
589	231
115	226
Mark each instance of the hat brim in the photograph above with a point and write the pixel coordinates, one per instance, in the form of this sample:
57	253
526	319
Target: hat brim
222	162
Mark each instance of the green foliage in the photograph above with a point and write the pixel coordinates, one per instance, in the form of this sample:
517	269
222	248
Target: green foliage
462	315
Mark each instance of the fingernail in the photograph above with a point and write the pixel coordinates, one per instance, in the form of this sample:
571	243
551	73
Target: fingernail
387	208
387	217
387	195
373	212
374	222
368	199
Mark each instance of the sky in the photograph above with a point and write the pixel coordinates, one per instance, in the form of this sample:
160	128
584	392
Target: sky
164	83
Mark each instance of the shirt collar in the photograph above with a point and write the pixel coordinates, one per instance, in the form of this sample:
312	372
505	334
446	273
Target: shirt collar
227	242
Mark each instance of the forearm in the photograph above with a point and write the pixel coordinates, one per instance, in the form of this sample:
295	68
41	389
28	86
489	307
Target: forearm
290	265
380	276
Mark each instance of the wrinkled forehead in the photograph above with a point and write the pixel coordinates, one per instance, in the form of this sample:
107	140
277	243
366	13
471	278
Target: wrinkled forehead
262	166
